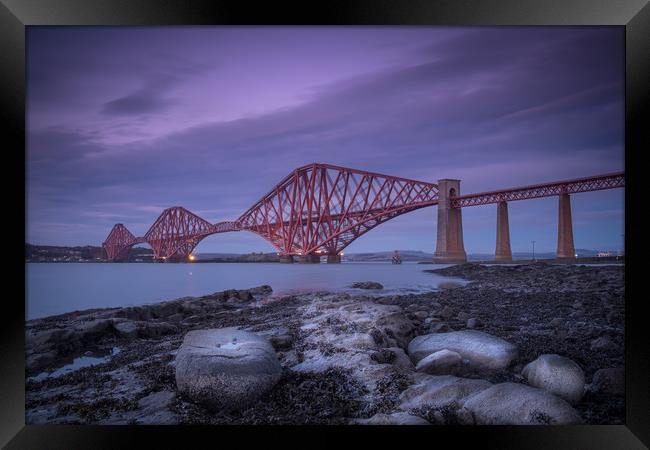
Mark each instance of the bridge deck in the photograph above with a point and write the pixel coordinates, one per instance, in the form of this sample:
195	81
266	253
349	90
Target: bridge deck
596	183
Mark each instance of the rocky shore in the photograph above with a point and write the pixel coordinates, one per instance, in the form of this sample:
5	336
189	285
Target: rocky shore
528	344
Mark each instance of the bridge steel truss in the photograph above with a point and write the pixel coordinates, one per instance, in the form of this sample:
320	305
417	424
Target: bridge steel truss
319	209
596	183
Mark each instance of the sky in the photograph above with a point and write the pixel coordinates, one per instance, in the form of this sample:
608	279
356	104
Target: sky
124	122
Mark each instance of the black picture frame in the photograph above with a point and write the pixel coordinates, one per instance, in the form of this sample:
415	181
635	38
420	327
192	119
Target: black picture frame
16	15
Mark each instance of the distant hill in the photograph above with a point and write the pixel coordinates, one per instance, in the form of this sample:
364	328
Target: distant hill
237	257
407	255
415	255
87	253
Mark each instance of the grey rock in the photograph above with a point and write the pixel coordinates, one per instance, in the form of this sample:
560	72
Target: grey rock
40	360
556	322
176	317
480	350
265	289
421	315
225	368
135	329
462	316
127	329
447	312
46	338
602	343
400	359
245	295
558	375
518	404
154	409
157	329
94	327
440	391
449	285
383	356
609	381
397	328
473	323
367	285
440	363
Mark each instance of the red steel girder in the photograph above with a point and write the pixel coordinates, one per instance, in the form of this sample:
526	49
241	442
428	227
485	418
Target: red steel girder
177	231
595	183
323	208
119	242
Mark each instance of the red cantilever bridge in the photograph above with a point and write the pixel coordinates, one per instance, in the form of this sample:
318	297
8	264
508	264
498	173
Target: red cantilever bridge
319	209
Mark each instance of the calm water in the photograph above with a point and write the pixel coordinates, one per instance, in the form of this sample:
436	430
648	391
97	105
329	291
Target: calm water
58	288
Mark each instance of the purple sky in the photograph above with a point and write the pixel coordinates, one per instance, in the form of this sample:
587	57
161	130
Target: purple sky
124	122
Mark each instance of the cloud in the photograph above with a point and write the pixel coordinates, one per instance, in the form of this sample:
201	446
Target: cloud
146	100
141	102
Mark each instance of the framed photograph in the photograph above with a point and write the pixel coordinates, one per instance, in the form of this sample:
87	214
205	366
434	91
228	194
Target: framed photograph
360	218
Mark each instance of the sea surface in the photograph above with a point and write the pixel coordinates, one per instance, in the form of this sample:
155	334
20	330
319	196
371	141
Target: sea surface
56	288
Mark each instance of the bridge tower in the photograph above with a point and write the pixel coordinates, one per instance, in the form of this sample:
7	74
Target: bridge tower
449	245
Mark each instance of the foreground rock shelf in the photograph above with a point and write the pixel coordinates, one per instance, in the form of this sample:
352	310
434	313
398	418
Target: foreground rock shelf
534	344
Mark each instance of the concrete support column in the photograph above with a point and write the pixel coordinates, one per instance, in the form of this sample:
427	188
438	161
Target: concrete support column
565	248
449	245
333	259
311	258
287	259
503	252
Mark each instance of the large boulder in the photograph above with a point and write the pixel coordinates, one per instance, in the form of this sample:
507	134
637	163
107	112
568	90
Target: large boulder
518	404
440	391
478	349
558	375
225	368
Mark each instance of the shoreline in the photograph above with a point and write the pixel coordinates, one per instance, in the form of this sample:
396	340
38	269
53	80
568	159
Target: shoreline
137	385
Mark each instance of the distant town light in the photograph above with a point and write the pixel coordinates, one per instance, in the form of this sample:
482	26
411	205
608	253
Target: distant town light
192	257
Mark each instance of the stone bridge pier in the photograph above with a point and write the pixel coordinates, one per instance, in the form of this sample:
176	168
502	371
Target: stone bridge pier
334	259
565	248
310	258
449	245
287	259
503	252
